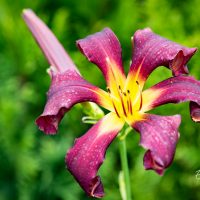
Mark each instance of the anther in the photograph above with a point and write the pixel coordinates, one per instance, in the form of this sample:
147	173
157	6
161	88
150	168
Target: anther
120	89
108	90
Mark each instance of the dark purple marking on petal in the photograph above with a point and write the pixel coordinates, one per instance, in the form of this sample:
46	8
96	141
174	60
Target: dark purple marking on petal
88	153
174	90
153	50
159	135
100	47
195	111
67	88
51	47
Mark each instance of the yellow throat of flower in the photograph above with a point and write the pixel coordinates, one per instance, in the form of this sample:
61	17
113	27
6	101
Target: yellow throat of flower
125	93
126	101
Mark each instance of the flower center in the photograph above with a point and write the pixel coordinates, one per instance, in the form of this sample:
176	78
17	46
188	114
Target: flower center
126	102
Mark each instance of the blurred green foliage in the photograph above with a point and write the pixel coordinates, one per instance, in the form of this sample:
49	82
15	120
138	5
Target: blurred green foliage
32	164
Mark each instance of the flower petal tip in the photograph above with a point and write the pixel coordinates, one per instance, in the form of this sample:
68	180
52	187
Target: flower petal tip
96	188
159	135
93	187
151	164
49	123
195	112
46	124
178	63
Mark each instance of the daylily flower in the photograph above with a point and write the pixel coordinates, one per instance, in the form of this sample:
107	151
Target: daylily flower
125	98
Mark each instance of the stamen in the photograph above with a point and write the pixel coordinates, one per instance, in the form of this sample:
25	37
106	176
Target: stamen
109	92
141	101
115	109
124	110
140	95
121	99
129	103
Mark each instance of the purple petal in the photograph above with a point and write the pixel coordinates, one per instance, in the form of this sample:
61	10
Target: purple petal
67	88
104	50
159	135
87	155
53	50
195	111
173	90
151	51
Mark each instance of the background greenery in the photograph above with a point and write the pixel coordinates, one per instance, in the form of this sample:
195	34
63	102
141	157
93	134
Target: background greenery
32	164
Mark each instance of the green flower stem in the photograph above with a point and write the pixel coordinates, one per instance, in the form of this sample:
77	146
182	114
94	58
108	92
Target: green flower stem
124	180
